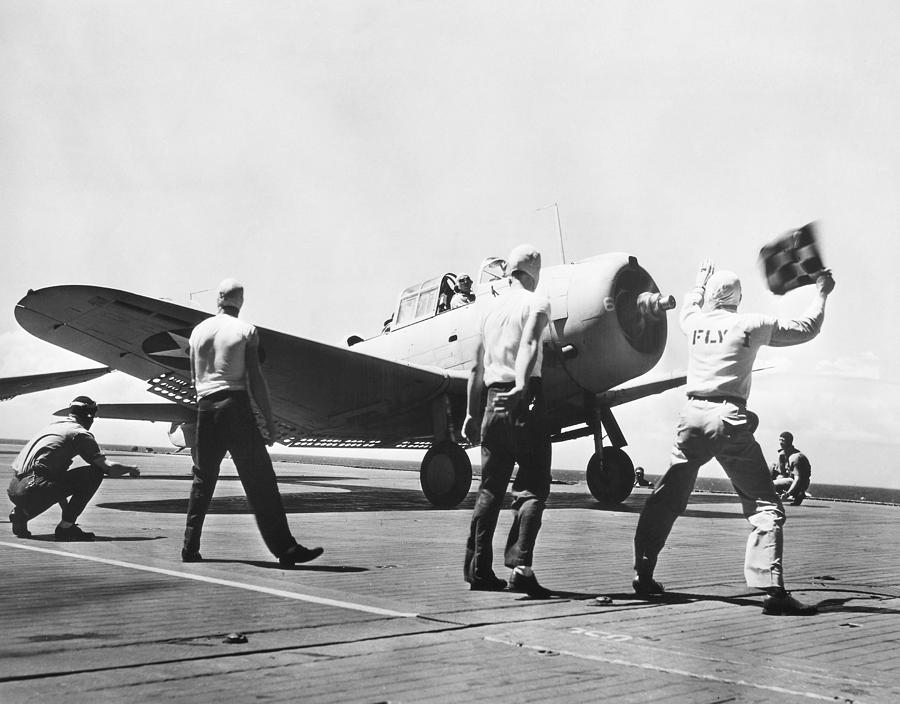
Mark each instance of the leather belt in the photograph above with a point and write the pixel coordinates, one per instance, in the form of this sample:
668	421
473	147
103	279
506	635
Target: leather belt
736	400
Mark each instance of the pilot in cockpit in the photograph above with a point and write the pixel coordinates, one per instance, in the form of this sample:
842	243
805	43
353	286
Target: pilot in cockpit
463	295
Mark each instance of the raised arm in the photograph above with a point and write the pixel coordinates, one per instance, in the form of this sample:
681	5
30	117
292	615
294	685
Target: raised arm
794	331
693	301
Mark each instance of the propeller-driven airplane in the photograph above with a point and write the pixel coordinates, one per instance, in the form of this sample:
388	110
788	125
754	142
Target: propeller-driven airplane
404	388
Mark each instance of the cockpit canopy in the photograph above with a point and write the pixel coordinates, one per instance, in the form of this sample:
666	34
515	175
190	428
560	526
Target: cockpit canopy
432	297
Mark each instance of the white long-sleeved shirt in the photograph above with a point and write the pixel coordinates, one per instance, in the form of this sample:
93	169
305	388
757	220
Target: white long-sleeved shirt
722	344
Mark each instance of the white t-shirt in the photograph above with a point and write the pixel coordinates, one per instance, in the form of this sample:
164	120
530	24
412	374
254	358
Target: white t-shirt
218	348
502	326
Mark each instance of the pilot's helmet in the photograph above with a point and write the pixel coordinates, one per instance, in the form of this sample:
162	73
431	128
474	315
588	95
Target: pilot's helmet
462	277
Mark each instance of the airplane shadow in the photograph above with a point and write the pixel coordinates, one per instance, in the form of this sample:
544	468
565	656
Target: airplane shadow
355	498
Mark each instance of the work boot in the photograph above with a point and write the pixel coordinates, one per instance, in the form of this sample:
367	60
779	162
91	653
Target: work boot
73	534
528	585
19	523
191	555
783	604
491	583
647	586
297	553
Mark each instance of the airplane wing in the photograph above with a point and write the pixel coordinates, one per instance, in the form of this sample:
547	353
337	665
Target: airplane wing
166	412
321	395
633	390
648	386
13	386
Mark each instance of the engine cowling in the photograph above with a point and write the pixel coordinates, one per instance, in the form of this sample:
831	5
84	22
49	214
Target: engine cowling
614	326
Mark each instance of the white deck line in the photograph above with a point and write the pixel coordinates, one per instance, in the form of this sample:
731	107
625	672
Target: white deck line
222	582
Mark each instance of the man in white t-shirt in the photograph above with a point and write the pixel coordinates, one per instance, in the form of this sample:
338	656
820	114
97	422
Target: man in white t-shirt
508	361
224	367
715	422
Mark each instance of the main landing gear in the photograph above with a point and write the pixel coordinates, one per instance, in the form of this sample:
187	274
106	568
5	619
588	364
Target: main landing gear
610	475
446	471
446	474
610	471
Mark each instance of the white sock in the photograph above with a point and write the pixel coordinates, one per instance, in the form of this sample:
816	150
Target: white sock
524	570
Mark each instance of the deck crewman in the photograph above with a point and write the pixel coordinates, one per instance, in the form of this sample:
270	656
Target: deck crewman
224	366
43	478
715	422
513	429
794	470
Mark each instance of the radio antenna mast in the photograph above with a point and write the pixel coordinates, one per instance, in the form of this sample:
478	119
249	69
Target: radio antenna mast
562	247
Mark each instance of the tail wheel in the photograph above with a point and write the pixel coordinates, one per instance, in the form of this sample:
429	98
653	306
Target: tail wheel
446	475
610	475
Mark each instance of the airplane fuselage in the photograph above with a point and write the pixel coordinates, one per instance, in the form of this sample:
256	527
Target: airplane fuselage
598	336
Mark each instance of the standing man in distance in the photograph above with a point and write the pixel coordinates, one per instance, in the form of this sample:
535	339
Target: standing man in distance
508	361
794	470
722	346
42	476
224	367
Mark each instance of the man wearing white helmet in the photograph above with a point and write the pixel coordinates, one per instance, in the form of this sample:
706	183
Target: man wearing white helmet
508	362
42	477
715	422
225	369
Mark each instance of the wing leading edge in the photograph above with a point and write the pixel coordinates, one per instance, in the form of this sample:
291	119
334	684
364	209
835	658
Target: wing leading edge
13	386
321	394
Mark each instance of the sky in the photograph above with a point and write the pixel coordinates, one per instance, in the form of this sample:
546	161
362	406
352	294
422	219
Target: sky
330	154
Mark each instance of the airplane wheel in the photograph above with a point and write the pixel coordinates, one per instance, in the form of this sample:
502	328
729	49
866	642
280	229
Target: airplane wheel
610	476
446	475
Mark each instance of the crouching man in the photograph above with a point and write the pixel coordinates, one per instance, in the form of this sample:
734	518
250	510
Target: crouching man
43	478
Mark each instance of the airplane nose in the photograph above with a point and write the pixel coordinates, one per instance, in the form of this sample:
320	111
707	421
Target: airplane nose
654	305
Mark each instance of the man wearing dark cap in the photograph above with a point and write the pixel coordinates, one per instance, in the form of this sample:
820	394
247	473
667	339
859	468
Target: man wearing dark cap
508	362
715	423
793	469
225	369
42	476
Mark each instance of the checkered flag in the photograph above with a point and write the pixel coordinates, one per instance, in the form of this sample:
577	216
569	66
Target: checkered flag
792	260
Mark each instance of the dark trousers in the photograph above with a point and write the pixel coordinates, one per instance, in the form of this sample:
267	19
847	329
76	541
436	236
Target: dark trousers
225	423
506	438
34	494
